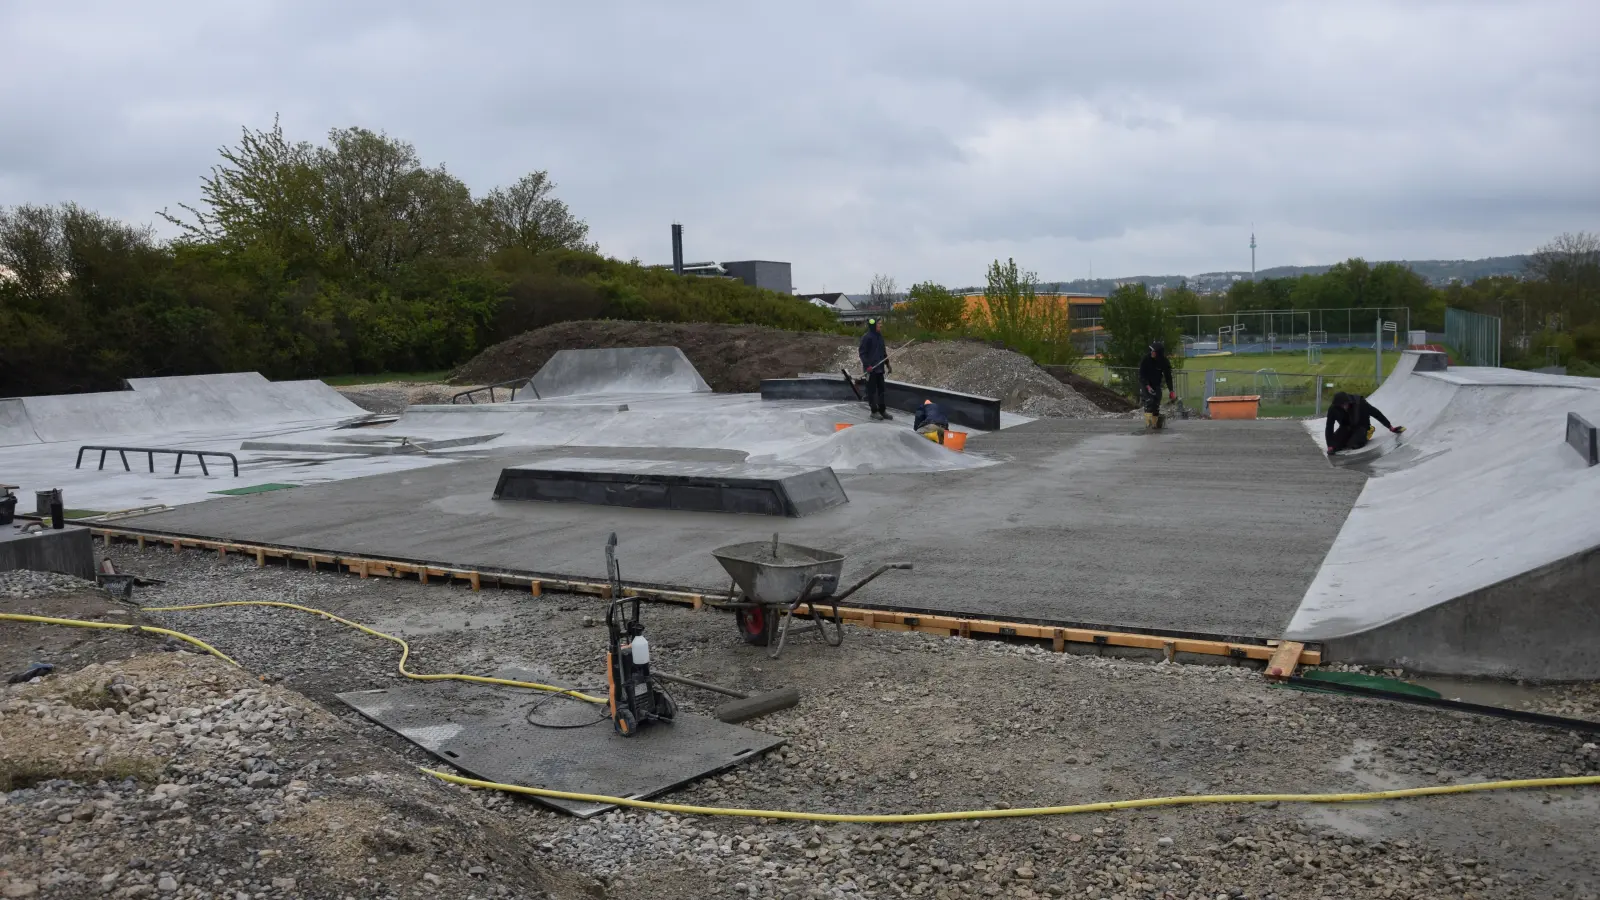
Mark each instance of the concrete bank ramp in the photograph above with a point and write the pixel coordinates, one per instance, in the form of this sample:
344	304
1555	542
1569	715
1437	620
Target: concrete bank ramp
15	427
875	447
187	404
1474	548
618	370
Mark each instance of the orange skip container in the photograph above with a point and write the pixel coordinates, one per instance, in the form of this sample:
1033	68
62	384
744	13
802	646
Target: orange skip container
1242	407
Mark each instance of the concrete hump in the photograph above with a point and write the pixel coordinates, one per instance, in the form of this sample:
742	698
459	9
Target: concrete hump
619	370
770	490
16	428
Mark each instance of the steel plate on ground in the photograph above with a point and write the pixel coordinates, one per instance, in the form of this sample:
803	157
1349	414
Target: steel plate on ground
485	731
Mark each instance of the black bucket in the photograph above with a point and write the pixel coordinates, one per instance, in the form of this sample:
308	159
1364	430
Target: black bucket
8	508
120	587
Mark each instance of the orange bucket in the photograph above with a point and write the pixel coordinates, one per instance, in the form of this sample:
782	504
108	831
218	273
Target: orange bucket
955	440
1243	407
840	426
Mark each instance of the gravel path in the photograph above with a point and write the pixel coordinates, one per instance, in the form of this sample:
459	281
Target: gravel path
903	722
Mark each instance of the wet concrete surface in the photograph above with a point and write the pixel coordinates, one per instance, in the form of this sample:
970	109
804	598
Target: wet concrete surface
1209	527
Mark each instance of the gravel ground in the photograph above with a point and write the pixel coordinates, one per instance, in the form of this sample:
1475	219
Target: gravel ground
23	584
889	722
393	397
976	368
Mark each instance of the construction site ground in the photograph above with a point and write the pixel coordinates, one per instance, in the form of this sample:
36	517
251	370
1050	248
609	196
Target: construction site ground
259	784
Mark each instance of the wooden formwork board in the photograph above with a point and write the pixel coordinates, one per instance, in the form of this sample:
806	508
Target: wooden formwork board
887	620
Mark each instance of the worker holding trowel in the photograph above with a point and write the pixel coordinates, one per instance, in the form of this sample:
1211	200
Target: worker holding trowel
1350	422
874	364
932	420
1152	369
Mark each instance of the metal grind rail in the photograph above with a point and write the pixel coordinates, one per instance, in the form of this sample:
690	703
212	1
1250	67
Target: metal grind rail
150	454
513	385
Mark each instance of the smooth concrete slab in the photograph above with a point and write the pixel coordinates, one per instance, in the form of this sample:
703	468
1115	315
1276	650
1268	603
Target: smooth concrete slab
1206	527
618	370
688	486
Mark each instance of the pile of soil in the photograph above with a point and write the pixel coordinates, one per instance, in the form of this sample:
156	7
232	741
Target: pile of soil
975	367
1095	392
731	358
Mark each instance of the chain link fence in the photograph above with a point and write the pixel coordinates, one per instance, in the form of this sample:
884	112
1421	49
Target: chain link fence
1282	395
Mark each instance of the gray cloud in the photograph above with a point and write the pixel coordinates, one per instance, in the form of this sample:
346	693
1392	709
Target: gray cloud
916	139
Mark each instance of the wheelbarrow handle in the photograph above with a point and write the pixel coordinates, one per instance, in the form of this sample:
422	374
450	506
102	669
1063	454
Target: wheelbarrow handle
839	598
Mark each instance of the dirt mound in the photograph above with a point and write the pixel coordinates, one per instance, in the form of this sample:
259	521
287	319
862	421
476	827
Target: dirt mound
977	368
734	359
731	358
394	396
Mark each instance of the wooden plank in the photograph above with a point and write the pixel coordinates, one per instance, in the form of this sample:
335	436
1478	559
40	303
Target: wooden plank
535	588
261	558
1285	659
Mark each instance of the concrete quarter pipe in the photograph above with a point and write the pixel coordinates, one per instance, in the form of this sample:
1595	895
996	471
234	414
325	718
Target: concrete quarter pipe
1474	548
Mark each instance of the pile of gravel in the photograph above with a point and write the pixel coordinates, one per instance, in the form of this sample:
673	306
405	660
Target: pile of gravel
391	398
26	584
975	368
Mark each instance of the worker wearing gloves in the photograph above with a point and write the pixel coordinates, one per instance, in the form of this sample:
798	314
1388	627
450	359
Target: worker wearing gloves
1152	369
1349	424
932	420
875	363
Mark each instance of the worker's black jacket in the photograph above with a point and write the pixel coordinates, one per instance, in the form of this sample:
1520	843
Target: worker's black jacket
931	414
1344	422
872	349
1151	371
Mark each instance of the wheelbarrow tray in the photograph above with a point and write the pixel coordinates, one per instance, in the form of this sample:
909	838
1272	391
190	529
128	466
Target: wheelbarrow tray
780	580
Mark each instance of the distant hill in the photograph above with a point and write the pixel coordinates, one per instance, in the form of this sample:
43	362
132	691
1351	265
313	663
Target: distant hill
1436	271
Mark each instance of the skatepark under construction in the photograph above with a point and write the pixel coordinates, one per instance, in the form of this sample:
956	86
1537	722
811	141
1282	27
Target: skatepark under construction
1467	548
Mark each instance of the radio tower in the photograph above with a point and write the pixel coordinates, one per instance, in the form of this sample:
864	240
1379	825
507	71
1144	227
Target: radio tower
1252	254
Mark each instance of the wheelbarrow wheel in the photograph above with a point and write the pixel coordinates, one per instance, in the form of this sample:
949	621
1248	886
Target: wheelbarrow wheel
759	625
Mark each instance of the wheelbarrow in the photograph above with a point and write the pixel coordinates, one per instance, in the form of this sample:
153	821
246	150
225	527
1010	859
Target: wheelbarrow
775	583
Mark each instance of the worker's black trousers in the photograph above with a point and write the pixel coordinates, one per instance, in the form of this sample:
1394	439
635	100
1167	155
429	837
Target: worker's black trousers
1152	399
875	391
1353	437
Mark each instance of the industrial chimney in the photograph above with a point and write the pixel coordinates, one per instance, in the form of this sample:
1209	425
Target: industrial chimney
677	249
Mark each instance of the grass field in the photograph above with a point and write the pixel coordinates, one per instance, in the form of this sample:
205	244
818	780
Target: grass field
1290	391
349	380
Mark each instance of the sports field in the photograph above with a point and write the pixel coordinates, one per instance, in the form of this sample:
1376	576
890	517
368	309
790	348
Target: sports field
1286	382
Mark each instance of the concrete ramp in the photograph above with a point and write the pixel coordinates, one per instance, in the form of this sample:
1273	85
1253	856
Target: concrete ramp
15	426
188	404
875	447
619	370
1474	548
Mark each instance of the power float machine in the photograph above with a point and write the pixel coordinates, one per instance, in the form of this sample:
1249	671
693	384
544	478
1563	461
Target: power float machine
636	696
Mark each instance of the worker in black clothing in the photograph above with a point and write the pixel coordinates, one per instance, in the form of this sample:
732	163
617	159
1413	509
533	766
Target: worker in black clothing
932	419
875	362
1350	422
1152	369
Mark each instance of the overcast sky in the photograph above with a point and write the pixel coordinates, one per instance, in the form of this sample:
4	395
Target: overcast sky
919	139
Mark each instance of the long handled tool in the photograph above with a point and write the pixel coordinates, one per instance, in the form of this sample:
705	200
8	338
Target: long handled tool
855	382
744	706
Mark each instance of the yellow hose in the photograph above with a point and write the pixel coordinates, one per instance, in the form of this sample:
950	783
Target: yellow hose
405	649
901	818
1105	806
117	626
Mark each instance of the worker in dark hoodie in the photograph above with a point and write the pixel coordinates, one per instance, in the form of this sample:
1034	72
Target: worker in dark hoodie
1350	425
874	355
1152	369
932	420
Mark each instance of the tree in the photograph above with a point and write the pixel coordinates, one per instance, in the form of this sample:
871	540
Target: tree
1134	319
936	308
1566	276
527	215
266	194
884	293
1010	301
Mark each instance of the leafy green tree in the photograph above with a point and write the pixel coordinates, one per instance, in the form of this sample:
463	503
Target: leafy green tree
1134	319
528	216
1010	300
936	307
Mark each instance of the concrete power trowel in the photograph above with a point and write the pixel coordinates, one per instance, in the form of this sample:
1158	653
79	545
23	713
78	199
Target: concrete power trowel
636	697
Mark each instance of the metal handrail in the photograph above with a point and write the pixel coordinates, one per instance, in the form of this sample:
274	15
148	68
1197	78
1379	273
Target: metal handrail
150	453
514	384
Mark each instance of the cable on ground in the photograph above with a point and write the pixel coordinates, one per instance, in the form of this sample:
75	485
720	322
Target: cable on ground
1104	806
